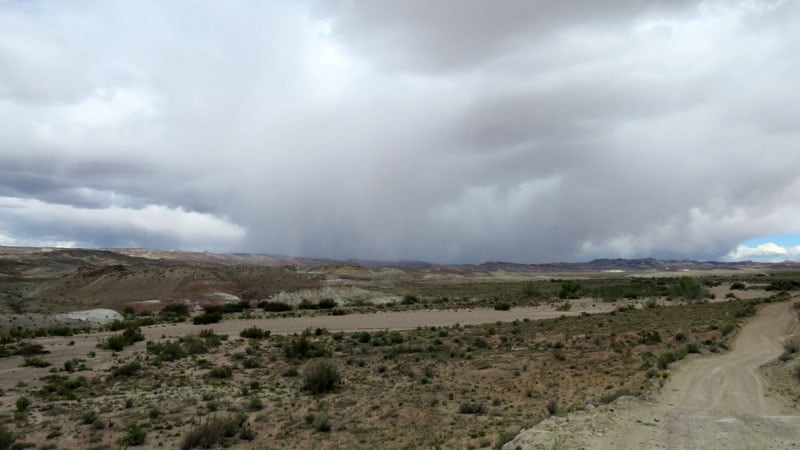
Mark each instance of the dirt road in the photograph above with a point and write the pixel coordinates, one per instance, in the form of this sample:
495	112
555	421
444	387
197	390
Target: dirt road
710	402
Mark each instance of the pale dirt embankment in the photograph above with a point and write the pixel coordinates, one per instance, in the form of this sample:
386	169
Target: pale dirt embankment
710	402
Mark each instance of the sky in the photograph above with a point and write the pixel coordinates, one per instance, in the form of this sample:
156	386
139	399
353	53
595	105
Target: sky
451	131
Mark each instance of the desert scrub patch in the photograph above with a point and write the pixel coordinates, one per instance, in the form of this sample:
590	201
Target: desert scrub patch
320	422
185	346
652	337
566	306
214	432
472	407
126	370
274	306
57	386
220	372
321	376
22	404
303	347
409	299
135	436
34	361
174	312
208	317
254	333
118	342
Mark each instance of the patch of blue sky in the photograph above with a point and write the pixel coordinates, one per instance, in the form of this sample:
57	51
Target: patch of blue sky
784	240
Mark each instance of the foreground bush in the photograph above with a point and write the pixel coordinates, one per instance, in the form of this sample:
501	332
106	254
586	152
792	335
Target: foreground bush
6	439
212	433
321	377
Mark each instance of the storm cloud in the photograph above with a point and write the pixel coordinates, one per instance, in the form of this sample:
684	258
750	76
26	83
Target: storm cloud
448	131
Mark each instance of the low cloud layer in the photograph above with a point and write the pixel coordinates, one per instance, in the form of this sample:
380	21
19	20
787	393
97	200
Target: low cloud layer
768	252
443	131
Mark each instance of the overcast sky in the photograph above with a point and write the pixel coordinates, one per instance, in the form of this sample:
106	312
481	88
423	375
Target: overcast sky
446	131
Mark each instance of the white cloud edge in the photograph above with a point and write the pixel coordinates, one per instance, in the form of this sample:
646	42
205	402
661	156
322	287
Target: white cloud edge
766	252
189	228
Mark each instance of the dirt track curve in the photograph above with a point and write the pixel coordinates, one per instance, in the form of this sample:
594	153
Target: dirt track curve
716	402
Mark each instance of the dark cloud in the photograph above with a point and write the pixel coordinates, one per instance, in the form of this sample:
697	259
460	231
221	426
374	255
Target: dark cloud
457	34
446	131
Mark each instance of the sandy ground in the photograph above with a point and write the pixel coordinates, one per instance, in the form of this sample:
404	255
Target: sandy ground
710	402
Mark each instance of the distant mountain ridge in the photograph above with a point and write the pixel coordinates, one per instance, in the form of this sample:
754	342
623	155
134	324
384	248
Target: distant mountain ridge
140	256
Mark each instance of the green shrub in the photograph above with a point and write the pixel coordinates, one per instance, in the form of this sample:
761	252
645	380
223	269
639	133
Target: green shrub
727	329
689	289
167	351
502	306
409	300
320	422
28	349
274	306
649	337
327	303
307	304
321	376
692	347
570	289
6	439
126	370
118	342
207	318
239	306
530	289
23	403
89	417
221	372
174	312
34	361
255	404
250	363
136	436
212	433
748	310
60	386
472	407
670	356
784	285
738	285
302	347
254	333
566	306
